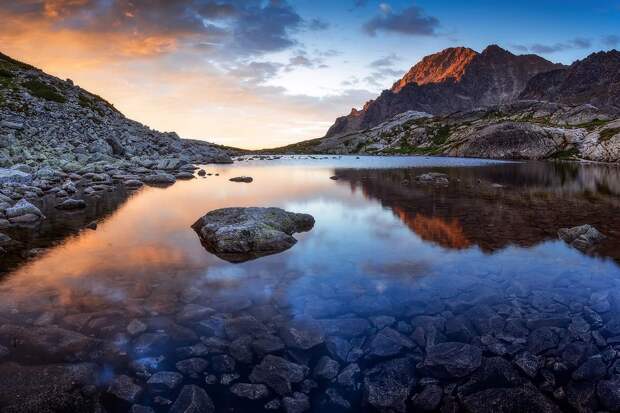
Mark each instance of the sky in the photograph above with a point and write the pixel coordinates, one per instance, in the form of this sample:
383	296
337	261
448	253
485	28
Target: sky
265	73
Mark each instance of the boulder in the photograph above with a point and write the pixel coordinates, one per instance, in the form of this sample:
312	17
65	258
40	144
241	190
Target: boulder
278	373
71	204
192	399
583	237
14	176
245	179
242	234
388	385
23	207
453	359
434	178
159	179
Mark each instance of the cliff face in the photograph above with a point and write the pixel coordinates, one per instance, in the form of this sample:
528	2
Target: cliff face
594	80
456	79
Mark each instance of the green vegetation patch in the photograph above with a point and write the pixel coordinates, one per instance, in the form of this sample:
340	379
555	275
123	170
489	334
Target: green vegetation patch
7	74
593	124
441	135
41	90
607	134
565	154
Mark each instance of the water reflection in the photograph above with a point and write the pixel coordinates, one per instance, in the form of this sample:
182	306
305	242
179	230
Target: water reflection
383	245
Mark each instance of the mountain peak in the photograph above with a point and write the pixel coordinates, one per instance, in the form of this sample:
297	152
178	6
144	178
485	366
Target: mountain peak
448	64
494	49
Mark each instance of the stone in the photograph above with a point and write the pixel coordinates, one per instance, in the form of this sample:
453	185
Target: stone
192	367
608	392
250	391
389	384
349	377
434	178
71	204
592	369
298	403
542	339
163	381
244	325
222	363
124	388
333	401
389	342
14	176
242	234
136	327
326	368
453	359
184	175
23	207
583	237
428	399
528	363
278	373
245	179
302	334
146	366
159	179
149	344
509	400
192	399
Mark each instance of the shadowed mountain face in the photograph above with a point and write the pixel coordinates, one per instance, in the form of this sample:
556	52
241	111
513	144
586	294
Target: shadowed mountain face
493	207
594	80
455	79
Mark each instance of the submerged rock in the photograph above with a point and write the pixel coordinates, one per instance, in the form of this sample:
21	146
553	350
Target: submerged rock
435	178
71	204
245	179
278	373
241	234
192	399
388	385
453	359
583	237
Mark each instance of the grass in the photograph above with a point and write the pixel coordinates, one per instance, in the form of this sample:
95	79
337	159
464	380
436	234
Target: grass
441	135
607	134
593	124
7	74
41	90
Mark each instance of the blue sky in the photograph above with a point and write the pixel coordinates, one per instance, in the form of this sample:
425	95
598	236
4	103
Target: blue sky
260	73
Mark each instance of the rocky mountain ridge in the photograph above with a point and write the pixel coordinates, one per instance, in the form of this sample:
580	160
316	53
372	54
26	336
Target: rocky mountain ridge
518	130
456	79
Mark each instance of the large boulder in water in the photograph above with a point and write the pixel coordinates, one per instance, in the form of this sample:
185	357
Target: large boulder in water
241	234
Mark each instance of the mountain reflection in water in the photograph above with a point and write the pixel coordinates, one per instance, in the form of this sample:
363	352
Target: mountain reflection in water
383	245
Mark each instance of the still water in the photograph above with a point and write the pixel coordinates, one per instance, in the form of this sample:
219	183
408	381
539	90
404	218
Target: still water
392	268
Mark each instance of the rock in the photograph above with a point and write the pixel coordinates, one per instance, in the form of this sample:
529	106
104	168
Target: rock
389	342
192	367
192	399
349	377
137	408
278	373
299	403
434	178
529	363
453	359
148	344
71	204
133	183
11	125
428	399
159	179
241	234
509	400
50	341
23	207
583	237
592	369
164	381
334	178
136	327
302	334
332	401
184	175
326	368
223	363
146	366
13	176
542	339
609	393
345	327
124	388
388	384
244	325
246	179
202	172
47	388
250	391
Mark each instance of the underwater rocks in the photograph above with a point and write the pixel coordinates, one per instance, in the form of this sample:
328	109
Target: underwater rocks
241	234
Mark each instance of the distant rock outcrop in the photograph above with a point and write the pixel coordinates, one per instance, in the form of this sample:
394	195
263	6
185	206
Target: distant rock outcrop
594	80
455	79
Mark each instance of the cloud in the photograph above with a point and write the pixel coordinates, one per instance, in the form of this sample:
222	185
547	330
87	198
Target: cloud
576	43
611	40
385	61
243	27
411	21
317	25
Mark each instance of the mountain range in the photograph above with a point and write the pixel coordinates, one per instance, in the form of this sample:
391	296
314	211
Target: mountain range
461	79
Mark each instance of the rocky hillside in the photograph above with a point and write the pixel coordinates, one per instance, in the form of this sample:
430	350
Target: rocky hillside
594	80
518	130
48	121
456	79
